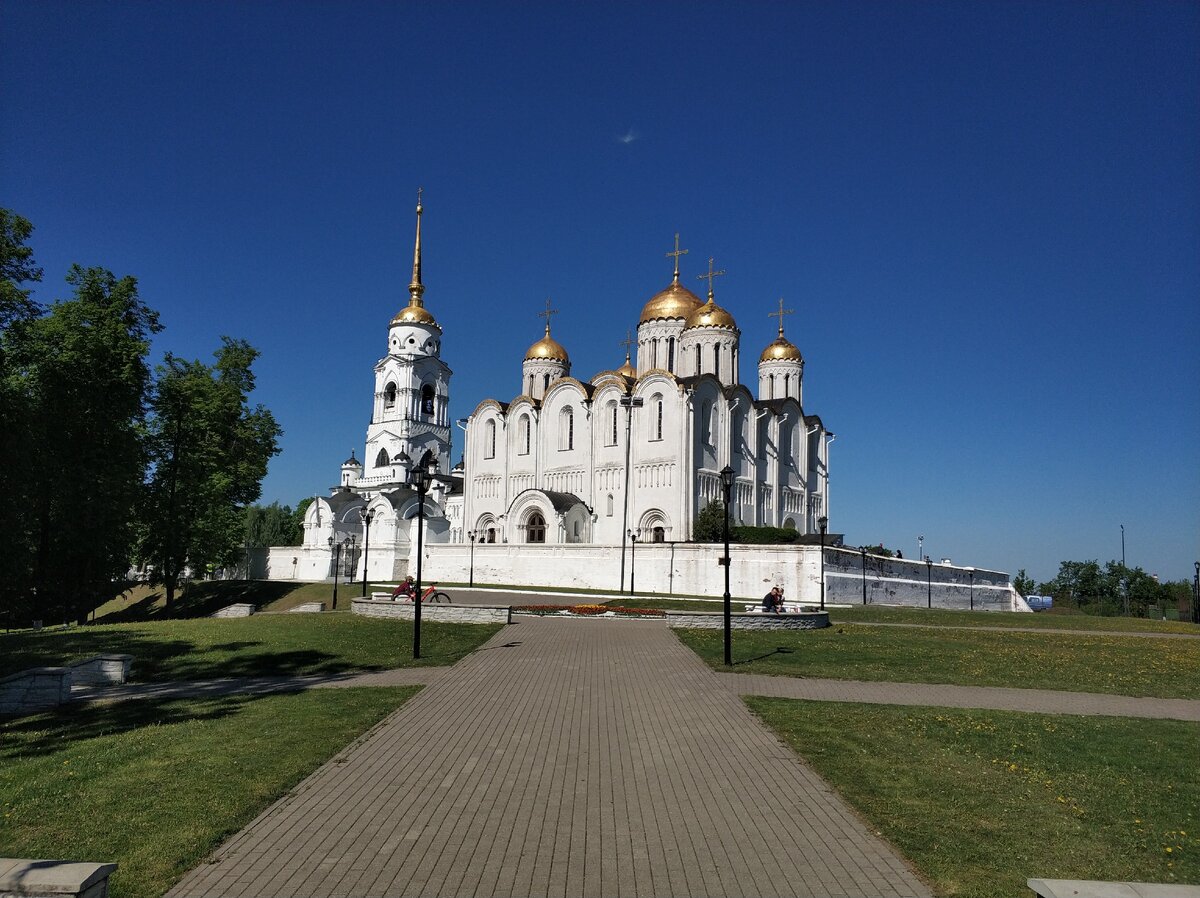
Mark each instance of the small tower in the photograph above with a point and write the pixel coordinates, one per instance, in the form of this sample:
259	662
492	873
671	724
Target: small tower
411	414
661	323
351	470
545	361
709	344
781	367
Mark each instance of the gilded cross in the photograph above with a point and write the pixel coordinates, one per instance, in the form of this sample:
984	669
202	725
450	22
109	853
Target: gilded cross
629	341
709	277
678	252
546	314
420	190
782	311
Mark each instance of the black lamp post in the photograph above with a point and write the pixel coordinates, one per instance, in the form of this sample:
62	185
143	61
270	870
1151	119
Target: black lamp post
366	547
929	581
633	537
471	534
863	550
971	574
335	545
823	522
726	486
629	403
419	480
1196	596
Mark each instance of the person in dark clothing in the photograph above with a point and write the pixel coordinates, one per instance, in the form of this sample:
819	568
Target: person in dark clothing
773	601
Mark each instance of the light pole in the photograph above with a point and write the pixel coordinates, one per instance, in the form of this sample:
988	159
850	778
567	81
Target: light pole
629	403
822	522
471	534
863	550
726	486
971	574
367	517
920	547
633	536
335	546
929	581
1196	596
1122	545
419	480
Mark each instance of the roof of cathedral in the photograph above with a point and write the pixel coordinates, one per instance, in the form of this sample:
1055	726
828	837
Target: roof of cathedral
676	301
782	350
547	348
627	370
710	315
352	460
415	312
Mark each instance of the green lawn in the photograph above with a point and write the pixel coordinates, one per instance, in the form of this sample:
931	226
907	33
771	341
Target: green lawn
1112	663
980	801
261	645
157	785
1042	620
200	599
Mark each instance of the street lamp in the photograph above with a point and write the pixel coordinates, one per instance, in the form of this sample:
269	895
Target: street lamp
920	547
471	534
629	403
929	580
863	550
633	536
823	522
420	480
1196	596
335	545
367	518
726	486
971	574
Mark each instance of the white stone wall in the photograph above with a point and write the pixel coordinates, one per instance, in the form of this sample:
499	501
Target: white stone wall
433	611
34	689
102	670
707	620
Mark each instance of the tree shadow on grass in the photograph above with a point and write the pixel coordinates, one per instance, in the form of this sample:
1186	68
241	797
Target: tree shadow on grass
51	732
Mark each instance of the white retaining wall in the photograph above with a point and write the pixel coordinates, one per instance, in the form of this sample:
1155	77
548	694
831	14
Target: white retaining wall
708	620
433	611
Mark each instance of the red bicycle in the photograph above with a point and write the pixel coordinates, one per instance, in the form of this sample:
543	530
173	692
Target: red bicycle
430	594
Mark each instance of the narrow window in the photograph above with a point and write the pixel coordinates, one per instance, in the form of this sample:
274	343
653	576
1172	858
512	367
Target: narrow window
610	505
525	434
382	460
717	360
535	530
658	417
427	400
660	535
491	534
699	369
566	423
545	382
489	440
671	354
706	423
613	419
389	396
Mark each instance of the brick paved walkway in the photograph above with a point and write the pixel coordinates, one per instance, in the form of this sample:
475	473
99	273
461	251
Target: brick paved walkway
590	758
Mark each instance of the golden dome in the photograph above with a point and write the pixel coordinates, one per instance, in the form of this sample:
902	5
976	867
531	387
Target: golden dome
413	313
710	315
677	301
627	369
547	348
782	350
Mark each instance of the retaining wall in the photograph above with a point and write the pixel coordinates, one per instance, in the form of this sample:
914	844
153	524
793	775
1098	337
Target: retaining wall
715	620
433	611
103	670
35	689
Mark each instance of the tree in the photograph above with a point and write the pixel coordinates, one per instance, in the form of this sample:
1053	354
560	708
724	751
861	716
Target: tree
81	377
1023	583
710	523
16	268
271	525
208	451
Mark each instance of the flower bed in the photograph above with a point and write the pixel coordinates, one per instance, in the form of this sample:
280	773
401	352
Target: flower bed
589	610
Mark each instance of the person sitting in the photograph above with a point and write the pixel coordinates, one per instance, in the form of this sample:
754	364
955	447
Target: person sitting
779	608
773	601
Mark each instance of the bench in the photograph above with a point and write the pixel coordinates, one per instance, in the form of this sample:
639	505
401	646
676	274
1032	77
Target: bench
1082	888
54	879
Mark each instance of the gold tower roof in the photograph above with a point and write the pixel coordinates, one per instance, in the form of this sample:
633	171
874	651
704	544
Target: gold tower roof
782	350
627	369
676	301
415	311
710	315
547	348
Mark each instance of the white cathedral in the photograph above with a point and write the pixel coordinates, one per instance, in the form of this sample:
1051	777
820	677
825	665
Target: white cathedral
636	450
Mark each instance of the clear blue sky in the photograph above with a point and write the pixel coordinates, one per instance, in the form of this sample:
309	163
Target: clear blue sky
986	216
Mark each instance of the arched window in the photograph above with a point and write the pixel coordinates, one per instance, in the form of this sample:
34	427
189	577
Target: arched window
427	400
489	439
612	424
706	419
566	428
524	434
787	382
717	360
736	437
789	524
382	460
491	535
609	507
389	396
535	528
699	371
545	382
658	535
671	354
771	386
658	417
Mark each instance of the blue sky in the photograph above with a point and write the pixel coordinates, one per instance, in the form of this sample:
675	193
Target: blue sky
986	216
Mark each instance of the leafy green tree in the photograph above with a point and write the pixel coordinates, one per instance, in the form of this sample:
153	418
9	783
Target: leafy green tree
271	525
208	451
1023	583
16	268
81	375
879	549
709	524
299	513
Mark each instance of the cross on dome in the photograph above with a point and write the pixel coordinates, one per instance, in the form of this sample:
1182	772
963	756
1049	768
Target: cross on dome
546	314
678	252
709	277
782	311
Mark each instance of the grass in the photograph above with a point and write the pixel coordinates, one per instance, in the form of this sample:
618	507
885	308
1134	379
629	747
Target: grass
157	785
261	645
1044	620
980	801
1109	663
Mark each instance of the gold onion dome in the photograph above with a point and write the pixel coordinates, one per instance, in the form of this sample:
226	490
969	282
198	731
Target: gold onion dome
415	311
627	369
547	348
782	350
677	301
710	315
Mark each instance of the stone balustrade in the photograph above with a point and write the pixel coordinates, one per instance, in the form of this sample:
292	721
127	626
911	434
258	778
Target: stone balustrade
53	879
102	670
434	611
239	609
715	620
35	689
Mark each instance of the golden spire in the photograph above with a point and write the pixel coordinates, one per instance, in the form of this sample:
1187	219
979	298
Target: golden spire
678	252
546	314
416	288
782	311
709	277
